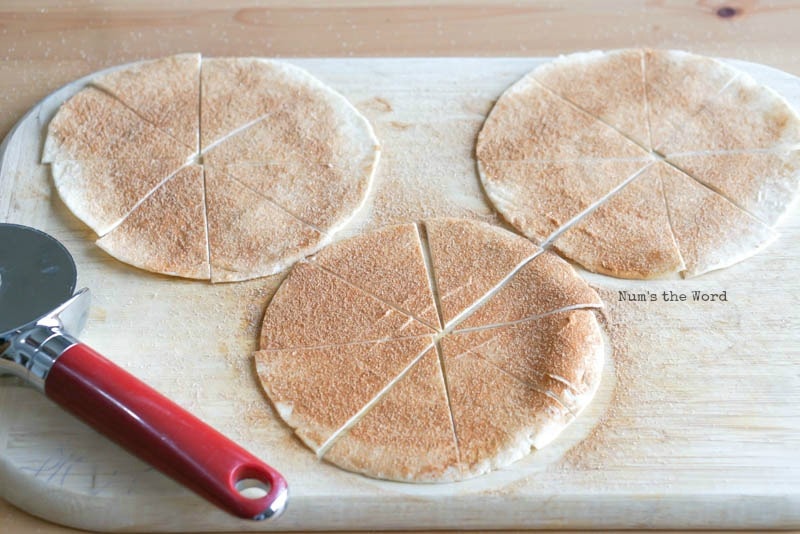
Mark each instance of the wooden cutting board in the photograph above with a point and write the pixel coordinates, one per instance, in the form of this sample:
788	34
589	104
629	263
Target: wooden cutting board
697	423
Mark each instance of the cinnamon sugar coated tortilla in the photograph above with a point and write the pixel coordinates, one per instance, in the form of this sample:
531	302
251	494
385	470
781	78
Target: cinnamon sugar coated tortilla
519	356
490	252
284	162
389	262
557	287
731	174
629	235
576	156
141	240
558	354
93	125
341	313
164	92
540	198
408	435
102	192
318	406
618	98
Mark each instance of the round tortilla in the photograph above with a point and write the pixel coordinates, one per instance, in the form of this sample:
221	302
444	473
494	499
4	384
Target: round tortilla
279	163
430	352
642	163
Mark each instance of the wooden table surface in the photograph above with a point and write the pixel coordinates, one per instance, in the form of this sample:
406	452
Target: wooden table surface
48	43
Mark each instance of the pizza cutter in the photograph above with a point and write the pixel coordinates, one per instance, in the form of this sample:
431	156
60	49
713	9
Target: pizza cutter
39	315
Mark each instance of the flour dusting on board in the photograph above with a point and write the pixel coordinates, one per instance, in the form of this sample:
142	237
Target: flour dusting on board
427	166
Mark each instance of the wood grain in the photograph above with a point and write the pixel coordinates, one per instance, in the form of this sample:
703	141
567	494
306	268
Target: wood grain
49	43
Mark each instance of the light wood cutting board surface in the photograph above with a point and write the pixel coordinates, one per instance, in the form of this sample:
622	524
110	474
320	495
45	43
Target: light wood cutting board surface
695	424
49	43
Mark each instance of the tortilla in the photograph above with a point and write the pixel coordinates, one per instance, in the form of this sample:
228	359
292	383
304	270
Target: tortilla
314	308
248	235
240	92
237	92
320	194
164	92
498	419
93	125
606	85
677	84
544	285
560	354
604	208
469	259
313	154
102	192
327	131
540	198
711	232
629	235
292	141
141	241
389	262
279	188
298	382
764	184
512	382
744	116
408	435
530	123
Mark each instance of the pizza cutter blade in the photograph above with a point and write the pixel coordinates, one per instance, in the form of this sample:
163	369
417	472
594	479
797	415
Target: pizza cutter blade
39	316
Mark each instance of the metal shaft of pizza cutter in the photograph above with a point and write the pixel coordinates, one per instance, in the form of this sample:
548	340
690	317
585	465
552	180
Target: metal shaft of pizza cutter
45	353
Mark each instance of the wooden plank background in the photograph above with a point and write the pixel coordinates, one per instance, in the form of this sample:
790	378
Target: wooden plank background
48	43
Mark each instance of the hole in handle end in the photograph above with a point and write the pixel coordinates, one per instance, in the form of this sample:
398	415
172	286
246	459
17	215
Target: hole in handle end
252	488
257	484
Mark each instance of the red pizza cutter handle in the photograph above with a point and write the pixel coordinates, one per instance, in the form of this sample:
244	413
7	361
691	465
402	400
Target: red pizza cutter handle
163	434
